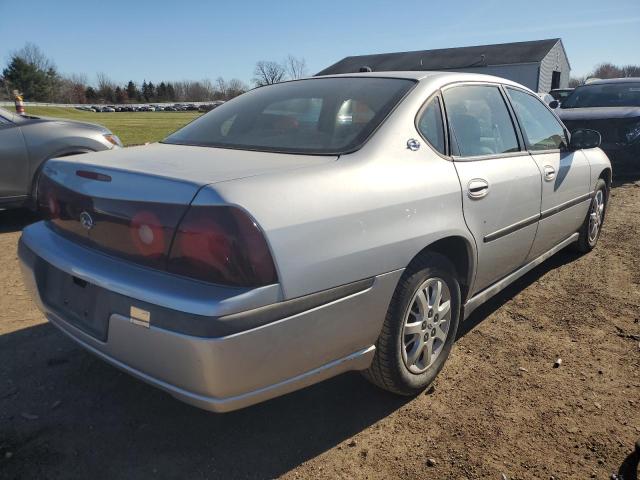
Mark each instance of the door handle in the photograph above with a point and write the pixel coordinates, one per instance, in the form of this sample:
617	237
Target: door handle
477	188
549	173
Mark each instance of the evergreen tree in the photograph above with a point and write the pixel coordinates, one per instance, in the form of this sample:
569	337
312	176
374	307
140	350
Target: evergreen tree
35	83
171	93
132	90
161	92
151	92
144	91
91	95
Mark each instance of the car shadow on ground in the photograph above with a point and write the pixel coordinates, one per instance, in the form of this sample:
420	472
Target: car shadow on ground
66	414
109	425
630	468
561	258
15	220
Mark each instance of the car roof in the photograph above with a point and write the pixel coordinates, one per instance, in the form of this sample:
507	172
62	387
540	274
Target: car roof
601	81
436	76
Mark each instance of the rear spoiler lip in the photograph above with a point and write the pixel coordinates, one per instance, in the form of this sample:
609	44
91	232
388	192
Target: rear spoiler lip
124	184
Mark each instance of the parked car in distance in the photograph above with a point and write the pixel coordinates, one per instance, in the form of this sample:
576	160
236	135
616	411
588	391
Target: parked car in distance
210	106
612	107
311	227
560	94
26	142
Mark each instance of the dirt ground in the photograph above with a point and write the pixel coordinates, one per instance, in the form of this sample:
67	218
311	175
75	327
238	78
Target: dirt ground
498	408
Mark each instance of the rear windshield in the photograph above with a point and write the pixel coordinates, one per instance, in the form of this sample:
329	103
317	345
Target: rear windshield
316	116
604	95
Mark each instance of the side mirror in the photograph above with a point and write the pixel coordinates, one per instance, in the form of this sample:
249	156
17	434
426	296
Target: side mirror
554	104
584	138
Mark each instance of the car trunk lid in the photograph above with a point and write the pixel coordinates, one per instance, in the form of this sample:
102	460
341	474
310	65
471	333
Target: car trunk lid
129	203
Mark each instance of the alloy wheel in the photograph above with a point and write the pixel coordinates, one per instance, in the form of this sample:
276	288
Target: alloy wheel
426	325
596	215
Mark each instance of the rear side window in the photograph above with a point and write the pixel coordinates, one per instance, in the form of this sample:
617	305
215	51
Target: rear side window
431	125
540	127
317	116
480	121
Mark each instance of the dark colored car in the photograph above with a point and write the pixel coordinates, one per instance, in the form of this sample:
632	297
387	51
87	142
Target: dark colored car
612	107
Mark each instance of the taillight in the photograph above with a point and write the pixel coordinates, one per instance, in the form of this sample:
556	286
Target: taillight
221	245
147	234
48	199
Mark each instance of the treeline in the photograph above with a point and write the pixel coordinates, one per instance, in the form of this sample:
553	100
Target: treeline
34	75
166	91
607	70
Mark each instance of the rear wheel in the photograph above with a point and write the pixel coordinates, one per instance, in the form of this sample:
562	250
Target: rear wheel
592	226
420	327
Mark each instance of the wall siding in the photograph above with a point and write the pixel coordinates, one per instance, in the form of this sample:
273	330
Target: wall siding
554	60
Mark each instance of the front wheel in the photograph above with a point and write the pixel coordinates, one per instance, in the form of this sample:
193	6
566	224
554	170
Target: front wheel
419	329
592	226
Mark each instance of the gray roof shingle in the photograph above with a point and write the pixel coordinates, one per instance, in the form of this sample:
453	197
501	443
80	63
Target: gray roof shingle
447	58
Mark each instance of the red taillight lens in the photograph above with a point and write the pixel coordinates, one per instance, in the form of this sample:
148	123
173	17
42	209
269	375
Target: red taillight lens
221	245
53	207
147	234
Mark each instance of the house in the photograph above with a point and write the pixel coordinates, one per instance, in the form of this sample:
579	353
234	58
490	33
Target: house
541	65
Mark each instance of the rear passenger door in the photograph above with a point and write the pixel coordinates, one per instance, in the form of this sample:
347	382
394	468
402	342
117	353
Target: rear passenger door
566	175
500	181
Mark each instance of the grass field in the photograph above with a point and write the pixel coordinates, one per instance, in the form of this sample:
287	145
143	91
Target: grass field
133	128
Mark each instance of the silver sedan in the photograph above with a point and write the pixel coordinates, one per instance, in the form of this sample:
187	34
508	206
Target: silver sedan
27	141
307	228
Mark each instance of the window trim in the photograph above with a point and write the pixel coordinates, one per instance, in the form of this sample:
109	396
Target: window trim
516	127
524	134
446	155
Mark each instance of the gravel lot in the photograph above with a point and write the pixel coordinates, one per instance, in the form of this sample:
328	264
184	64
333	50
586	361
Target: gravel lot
498	407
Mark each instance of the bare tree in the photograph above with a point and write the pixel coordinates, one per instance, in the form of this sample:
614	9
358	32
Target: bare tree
106	87
221	88
576	81
267	73
235	87
606	70
71	89
32	54
295	67
631	71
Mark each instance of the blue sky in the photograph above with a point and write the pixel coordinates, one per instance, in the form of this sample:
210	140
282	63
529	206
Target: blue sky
175	40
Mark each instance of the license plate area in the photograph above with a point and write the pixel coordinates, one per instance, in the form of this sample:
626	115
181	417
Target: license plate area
75	301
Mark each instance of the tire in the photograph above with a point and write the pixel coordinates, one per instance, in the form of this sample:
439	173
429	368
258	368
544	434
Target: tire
397	366
588	236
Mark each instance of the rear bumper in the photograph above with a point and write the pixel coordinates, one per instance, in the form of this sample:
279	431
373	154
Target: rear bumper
220	373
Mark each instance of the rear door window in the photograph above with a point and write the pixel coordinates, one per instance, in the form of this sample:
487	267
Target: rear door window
431	125
479	120
541	128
